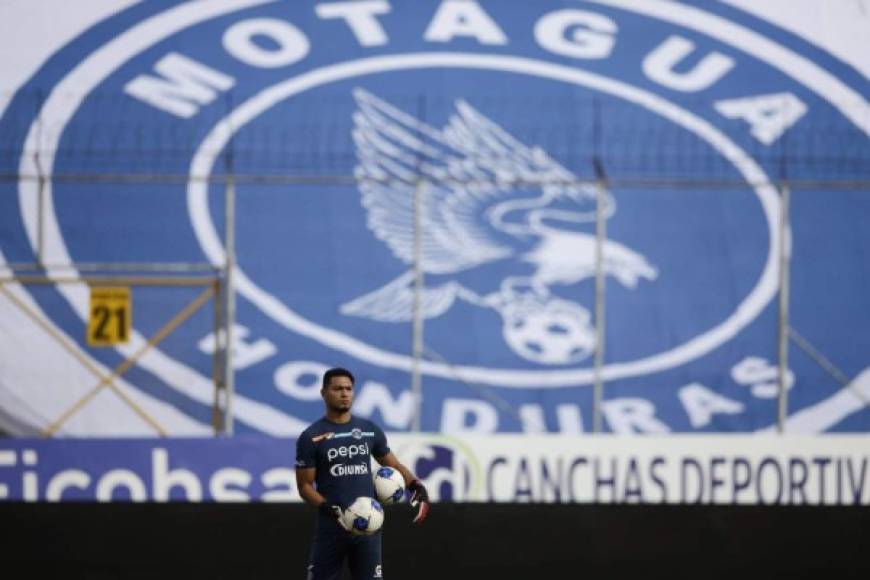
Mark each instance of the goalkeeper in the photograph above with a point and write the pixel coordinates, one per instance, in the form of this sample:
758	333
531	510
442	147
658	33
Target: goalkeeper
333	458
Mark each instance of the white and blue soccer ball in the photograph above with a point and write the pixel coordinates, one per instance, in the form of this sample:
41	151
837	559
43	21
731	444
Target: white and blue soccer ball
389	485
364	516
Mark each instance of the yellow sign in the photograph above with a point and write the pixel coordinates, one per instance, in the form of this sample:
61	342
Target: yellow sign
110	316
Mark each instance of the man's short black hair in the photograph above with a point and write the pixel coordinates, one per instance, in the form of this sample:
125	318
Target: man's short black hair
336	372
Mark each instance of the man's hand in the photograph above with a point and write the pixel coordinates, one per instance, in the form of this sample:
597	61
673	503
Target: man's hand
333	511
419	497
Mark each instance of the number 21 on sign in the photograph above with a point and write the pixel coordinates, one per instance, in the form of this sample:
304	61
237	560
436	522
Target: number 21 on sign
110	316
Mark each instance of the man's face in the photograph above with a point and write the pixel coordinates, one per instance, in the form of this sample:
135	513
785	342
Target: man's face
338	394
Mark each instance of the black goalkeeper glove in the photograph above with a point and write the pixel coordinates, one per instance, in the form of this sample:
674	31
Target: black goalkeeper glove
333	511
419	499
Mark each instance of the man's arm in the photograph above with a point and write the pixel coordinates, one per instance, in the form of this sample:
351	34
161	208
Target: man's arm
390	460
419	495
305	483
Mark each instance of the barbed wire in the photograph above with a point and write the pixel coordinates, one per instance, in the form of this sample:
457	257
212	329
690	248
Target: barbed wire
649	183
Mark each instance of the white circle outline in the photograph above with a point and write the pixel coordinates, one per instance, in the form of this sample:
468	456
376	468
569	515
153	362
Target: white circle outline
215	141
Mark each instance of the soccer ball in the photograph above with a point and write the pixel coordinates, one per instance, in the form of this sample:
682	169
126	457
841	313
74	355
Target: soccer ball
389	485
551	332
364	516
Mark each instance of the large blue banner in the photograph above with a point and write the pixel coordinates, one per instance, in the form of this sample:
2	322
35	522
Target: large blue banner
334	117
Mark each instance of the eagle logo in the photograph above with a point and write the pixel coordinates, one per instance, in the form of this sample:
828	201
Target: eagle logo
486	198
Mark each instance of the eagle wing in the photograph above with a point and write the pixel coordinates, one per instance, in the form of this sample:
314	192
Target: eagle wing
499	158
397	153
467	170
394	302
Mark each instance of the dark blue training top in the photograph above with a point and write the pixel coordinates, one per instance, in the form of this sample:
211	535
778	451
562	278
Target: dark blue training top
342	454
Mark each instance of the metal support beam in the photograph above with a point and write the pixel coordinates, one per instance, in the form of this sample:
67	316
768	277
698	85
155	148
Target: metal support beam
783	323
159	281
417	340
40	190
217	360
600	237
230	301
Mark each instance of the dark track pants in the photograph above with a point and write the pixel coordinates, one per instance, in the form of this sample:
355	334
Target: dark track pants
332	545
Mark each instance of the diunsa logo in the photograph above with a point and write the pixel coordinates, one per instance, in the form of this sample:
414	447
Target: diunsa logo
460	100
340	469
